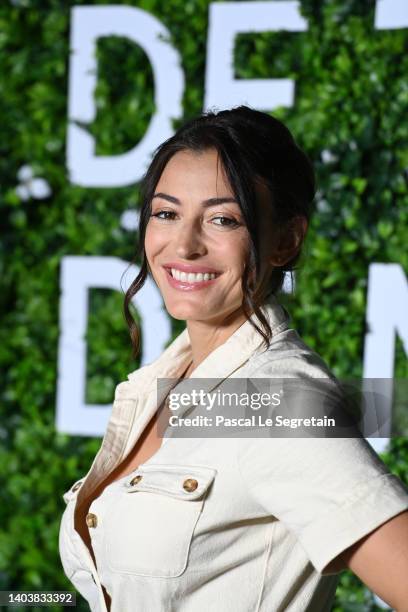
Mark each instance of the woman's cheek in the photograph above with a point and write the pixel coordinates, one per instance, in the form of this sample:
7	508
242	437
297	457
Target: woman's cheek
154	241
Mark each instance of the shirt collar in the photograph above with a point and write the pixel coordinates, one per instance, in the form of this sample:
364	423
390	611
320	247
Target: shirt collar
221	362
136	400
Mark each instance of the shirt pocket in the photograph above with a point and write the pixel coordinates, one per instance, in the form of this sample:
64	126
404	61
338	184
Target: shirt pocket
150	526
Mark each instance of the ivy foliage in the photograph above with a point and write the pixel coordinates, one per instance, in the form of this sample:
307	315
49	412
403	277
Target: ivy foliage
351	97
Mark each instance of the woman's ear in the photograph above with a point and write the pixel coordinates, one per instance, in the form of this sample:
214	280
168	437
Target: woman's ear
289	241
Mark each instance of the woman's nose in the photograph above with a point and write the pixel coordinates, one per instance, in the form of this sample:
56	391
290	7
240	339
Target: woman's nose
189	239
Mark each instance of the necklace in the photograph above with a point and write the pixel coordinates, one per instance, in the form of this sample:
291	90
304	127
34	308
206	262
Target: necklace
184	375
188	371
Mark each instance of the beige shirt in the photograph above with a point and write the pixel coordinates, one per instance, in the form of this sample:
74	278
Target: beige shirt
263	518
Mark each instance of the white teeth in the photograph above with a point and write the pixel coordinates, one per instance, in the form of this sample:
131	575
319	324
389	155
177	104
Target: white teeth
191	277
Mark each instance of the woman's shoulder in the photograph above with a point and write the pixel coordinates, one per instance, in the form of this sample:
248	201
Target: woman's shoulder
289	356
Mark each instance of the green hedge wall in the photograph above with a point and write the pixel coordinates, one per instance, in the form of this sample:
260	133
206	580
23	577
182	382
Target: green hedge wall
351	99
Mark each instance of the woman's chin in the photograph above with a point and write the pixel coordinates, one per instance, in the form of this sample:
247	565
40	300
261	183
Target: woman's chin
184	312
188	307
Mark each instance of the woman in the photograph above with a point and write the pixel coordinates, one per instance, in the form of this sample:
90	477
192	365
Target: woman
220	524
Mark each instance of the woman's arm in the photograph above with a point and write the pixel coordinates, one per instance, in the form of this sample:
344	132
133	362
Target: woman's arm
380	560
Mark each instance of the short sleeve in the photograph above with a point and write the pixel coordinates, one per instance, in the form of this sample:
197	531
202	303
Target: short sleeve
329	492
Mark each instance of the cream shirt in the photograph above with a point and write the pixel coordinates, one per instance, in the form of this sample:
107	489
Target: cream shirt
266	515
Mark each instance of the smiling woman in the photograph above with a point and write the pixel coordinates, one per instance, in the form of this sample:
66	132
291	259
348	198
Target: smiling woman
232	524
197	236
230	192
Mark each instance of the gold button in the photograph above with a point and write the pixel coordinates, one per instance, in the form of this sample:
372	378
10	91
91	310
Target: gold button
76	486
136	479
91	520
190	485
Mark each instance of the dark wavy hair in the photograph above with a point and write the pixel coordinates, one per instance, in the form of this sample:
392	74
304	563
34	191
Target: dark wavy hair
254	147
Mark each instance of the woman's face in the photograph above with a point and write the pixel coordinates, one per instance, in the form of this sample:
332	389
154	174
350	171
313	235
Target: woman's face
196	240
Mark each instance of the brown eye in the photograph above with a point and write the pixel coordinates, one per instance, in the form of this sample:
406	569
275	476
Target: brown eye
227	221
164	212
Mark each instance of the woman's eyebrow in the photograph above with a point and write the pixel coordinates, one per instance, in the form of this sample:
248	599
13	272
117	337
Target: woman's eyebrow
209	202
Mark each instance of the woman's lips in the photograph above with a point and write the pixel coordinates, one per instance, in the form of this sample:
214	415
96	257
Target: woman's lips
185	285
